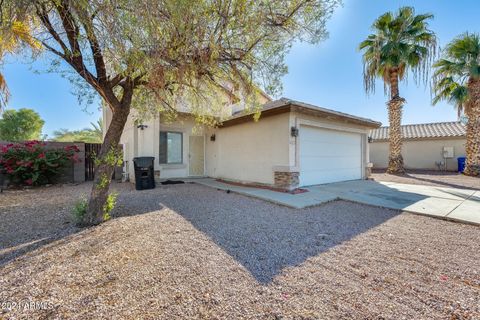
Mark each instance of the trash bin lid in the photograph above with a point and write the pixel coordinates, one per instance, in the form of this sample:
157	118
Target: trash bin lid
143	161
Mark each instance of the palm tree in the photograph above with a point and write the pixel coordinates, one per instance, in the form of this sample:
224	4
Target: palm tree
457	80
13	36
91	135
98	128
401	42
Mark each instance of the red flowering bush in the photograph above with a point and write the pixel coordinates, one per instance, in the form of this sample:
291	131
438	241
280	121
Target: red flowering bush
30	163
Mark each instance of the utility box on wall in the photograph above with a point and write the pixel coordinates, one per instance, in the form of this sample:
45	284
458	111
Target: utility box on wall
448	152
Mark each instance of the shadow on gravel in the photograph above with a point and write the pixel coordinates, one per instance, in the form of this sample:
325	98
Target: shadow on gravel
266	238
263	237
26	229
23	230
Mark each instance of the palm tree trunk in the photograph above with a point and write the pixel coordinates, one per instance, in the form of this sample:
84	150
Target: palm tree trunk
395	159
472	146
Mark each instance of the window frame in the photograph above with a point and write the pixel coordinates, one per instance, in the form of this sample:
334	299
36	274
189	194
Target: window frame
166	155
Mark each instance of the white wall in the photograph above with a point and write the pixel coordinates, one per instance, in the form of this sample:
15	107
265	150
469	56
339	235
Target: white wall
106	118
419	154
247	152
129	140
137	143
250	151
188	127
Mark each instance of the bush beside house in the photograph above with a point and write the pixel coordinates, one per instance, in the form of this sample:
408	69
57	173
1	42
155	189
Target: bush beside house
32	163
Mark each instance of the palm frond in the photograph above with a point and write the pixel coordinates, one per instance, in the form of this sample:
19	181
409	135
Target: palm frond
4	92
13	36
401	42
98	127
449	90
460	63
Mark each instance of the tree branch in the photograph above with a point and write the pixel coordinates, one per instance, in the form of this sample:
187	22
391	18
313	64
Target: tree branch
97	54
139	81
43	15
55	51
127	95
72	32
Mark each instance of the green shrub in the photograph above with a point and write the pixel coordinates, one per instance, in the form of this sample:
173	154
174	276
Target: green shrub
109	205
79	210
30	163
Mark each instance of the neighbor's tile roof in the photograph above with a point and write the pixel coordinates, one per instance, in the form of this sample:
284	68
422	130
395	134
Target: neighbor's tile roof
423	130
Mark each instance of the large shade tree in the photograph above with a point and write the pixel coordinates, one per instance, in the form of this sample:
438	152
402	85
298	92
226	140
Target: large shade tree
401	42
457	80
20	125
145	54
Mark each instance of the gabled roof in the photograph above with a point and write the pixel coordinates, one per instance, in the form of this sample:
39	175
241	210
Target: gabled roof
286	105
423	131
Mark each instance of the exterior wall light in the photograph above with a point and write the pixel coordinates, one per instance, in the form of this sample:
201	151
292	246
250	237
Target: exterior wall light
142	126
370	139
212	137
294	131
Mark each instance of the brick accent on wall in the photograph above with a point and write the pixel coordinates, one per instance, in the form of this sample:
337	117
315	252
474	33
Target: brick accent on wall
286	180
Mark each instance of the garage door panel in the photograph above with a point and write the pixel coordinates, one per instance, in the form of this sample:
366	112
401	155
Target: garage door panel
342	171
311	149
350	141
337	151
329	156
330	151
338	171
316	164
329	176
328	135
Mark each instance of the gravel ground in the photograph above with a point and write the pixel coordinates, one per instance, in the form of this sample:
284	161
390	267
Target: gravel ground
191	252
431	178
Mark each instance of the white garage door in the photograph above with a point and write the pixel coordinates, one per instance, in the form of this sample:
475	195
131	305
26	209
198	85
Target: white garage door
329	156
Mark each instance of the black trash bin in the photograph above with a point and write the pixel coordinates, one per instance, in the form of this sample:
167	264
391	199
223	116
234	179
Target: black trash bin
144	176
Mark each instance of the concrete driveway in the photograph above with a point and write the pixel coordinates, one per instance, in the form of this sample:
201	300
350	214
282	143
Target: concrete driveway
448	203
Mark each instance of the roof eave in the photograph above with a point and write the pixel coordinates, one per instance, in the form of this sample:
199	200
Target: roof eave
249	117
290	105
337	116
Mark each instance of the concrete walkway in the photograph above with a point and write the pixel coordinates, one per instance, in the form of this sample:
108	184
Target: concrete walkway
448	203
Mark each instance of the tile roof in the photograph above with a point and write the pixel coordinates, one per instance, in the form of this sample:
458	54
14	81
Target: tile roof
423	130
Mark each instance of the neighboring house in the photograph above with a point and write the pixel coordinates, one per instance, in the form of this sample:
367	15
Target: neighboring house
430	146
292	144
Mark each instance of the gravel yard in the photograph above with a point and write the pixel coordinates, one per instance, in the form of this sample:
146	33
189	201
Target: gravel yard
192	252
430	178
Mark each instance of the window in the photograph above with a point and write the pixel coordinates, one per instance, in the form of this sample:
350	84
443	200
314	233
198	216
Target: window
171	147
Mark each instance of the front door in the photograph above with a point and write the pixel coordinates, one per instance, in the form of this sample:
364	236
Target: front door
196	155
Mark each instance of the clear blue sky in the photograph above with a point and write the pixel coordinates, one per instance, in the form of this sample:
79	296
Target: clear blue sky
328	74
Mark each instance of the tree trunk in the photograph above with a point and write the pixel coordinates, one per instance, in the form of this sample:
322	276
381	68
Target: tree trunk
472	147
395	159
104	166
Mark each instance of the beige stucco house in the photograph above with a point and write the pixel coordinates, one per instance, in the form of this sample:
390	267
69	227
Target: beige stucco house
427	146
293	144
